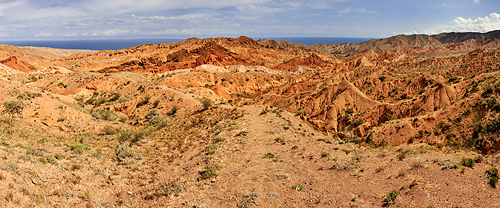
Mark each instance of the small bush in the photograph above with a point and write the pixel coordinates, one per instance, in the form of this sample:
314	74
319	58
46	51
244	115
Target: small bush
77	148
24	157
109	130
123	151
4	143
357	122
206	102
493	181
174	110
467	162
401	156
43	161
324	154
167	189
242	133
403	96
52	160
391	197
279	140
32	151
269	155
218	139
492	175
156	103
145	101
59	156
11	166
211	148
301	112
96	154
210	171
13	107
297	187
133	136
114	97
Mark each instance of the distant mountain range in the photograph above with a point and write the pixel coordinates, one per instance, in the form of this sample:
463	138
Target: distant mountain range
418	43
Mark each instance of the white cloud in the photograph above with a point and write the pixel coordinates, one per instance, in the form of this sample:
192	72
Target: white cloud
133	6
252	9
480	24
479	1
356	10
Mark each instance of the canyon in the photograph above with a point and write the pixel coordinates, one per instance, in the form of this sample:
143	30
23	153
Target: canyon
238	122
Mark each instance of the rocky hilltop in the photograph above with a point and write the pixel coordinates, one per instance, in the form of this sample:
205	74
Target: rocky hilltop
235	122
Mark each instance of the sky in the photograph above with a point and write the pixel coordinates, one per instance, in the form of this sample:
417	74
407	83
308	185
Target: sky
98	19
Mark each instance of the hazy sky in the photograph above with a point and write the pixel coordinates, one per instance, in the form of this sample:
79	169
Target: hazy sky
83	19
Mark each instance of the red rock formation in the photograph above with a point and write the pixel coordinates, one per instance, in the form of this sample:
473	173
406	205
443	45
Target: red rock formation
20	65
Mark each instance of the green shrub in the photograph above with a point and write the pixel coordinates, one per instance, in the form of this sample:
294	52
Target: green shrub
210	171
391	197
324	154
59	156
109	130
114	97
467	162
404	96
297	187
43	161
269	155
133	136
301	112
493	181
52	160
24	157
211	148
123	151
96	154
11	166
492	175
218	139
77	148
4	143
279	140
13	107
242	133
32	151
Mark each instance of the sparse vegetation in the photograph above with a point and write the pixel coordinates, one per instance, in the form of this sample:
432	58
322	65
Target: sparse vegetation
467	162
242	133
206	102
390	198
144	138
210	171
297	187
492	175
13	107
269	155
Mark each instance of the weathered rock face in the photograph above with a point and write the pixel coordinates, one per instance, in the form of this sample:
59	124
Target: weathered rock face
20	65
